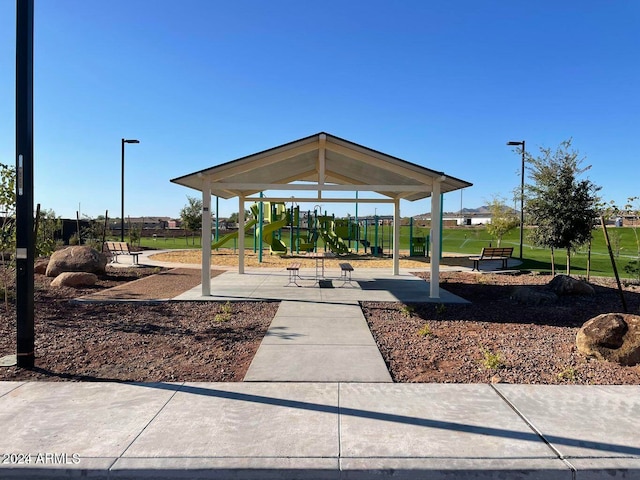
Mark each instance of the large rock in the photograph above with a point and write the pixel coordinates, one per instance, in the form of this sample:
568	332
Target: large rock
76	259
74	279
529	296
40	266
611	336
566	285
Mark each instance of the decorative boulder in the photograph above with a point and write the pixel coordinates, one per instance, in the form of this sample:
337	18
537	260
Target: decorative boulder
611	336
566	285
76	259
40	266
529	296
74	279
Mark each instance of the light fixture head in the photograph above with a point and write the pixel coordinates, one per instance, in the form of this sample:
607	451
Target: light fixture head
514	144
131	141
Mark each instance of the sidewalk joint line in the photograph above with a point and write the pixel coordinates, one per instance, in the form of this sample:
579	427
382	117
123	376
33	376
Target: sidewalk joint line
339	430
147	425
536	431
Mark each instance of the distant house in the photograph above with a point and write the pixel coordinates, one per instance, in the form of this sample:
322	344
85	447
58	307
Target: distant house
468	217
144	223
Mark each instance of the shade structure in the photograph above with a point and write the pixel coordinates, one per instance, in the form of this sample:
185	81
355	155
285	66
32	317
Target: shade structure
310	166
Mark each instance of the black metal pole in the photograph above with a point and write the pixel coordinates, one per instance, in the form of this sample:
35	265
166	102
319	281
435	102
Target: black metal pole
25	243
522	202
122	197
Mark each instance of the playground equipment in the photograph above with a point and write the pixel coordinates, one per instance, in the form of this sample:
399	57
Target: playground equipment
278	217
326	228
304	232
233	235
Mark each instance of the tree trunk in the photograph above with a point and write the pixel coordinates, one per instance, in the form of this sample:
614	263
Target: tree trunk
568	261
553	263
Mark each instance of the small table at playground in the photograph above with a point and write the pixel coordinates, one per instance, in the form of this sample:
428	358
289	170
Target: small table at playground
319	257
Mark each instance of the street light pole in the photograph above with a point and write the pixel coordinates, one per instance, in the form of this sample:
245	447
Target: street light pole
122	190
521	144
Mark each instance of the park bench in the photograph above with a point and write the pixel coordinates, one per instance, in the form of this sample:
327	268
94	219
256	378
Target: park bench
492	253
294	274
345	273
120	248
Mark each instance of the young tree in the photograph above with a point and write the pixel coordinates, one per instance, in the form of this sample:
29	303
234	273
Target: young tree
48	225
561	207
503	219
7	228
191	215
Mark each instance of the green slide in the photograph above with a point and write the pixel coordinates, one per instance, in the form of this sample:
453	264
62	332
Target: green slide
233	235
335	243
267	236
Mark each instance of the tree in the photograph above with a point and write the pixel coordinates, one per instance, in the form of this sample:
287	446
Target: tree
48	225
191	215
503	219
561	207
233	218
7	227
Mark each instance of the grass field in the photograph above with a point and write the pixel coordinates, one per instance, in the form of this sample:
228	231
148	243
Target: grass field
471	240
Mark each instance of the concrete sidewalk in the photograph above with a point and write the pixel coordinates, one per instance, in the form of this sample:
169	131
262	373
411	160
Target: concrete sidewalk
318	342
318	430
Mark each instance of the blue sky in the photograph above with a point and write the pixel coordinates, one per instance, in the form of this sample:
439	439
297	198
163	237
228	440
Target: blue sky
201	82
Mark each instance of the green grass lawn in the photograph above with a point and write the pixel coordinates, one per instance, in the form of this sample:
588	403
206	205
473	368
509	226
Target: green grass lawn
470	241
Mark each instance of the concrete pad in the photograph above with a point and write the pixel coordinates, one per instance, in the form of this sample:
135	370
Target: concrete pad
224	468
368	285
582	421
6	387
88	419
244	420
318	331
317	363
455	468
433	421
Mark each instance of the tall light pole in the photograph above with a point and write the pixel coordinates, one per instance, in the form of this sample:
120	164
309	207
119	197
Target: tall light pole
520	144
122	190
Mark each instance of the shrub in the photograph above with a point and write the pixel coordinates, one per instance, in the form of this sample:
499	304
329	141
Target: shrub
491	360
407	310
425	331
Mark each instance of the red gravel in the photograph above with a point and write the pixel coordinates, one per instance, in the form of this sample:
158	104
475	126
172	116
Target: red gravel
534	344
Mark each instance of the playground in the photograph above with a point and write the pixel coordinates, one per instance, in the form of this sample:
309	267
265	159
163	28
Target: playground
289	231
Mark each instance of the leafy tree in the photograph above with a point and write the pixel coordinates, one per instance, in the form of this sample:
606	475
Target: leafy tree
135	233
503	219
48	225
7	228
233	218
191	215
561	207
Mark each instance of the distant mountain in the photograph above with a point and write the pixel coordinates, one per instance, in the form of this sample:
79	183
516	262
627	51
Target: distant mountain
482	209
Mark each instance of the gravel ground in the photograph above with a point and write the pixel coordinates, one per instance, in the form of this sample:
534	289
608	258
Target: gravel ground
169	341
491	339
494	339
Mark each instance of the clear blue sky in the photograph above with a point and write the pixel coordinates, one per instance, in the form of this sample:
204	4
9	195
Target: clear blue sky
201	82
